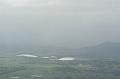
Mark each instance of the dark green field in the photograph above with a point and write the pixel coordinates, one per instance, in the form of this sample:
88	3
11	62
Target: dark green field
38	68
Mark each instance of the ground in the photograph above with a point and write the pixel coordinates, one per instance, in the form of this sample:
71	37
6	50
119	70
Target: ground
39	68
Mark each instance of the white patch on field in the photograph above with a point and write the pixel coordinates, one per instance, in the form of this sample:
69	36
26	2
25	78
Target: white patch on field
67	59
15	77
36	75
45	57
53	57
27	55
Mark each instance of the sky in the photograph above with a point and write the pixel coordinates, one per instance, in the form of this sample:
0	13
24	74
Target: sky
59	23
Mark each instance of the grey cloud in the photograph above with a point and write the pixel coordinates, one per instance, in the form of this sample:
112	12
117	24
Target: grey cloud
63	7
67	23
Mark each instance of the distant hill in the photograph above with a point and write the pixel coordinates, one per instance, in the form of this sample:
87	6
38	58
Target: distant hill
104	50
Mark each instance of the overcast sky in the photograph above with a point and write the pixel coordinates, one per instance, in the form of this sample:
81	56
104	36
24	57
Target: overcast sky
64	23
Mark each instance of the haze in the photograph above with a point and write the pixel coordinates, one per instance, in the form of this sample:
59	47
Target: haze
61	23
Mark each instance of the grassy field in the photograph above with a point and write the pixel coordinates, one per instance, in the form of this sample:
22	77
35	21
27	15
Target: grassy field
37	68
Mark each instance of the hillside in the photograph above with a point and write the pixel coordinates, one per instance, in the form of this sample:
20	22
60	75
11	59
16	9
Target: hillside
104	50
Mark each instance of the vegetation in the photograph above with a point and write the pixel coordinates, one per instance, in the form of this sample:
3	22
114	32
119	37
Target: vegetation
27	68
